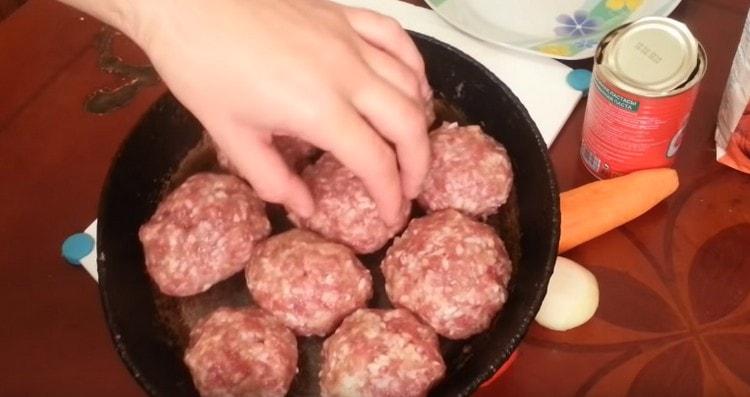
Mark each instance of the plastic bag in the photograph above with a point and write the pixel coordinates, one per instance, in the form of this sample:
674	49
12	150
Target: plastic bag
733	124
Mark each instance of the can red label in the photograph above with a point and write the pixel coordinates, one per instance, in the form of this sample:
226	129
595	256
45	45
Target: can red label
625	132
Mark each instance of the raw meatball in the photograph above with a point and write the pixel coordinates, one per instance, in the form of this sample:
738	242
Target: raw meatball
345	212
470	172
203	232
307	282
430	112
241	352
450	271
297	154
380	353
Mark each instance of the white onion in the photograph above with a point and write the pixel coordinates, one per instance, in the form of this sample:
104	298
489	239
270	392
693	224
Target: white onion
572	297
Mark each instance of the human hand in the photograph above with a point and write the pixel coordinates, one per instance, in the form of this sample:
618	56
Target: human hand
347	80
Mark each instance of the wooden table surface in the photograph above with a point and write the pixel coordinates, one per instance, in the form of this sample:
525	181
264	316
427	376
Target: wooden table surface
674	317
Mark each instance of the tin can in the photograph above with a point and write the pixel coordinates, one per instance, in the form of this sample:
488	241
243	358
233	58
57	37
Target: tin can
644	83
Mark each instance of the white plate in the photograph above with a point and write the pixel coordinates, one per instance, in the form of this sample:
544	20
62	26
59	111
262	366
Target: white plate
563	29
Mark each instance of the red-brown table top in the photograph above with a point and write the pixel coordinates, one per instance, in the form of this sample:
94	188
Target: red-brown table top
674	315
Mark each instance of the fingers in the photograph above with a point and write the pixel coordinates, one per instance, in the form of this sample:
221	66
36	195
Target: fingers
394	71
344	133
387	34
390	112
262	166
402	122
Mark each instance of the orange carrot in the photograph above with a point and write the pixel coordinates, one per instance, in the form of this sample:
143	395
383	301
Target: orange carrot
593	209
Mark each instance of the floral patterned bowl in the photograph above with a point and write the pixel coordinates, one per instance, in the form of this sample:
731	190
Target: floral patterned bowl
563	29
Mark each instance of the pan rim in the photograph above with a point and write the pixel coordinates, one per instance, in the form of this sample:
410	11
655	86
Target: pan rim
502	355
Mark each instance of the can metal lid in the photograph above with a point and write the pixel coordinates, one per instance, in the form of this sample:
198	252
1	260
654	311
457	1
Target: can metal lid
652	55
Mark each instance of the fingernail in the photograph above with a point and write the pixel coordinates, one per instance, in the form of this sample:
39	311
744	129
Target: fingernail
426	91
390	219
307	211
304	209
392	222
412	192
411	189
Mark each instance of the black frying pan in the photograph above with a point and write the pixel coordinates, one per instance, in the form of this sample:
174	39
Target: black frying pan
149	330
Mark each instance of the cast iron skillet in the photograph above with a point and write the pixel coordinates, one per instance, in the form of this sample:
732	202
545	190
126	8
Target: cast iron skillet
149	329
